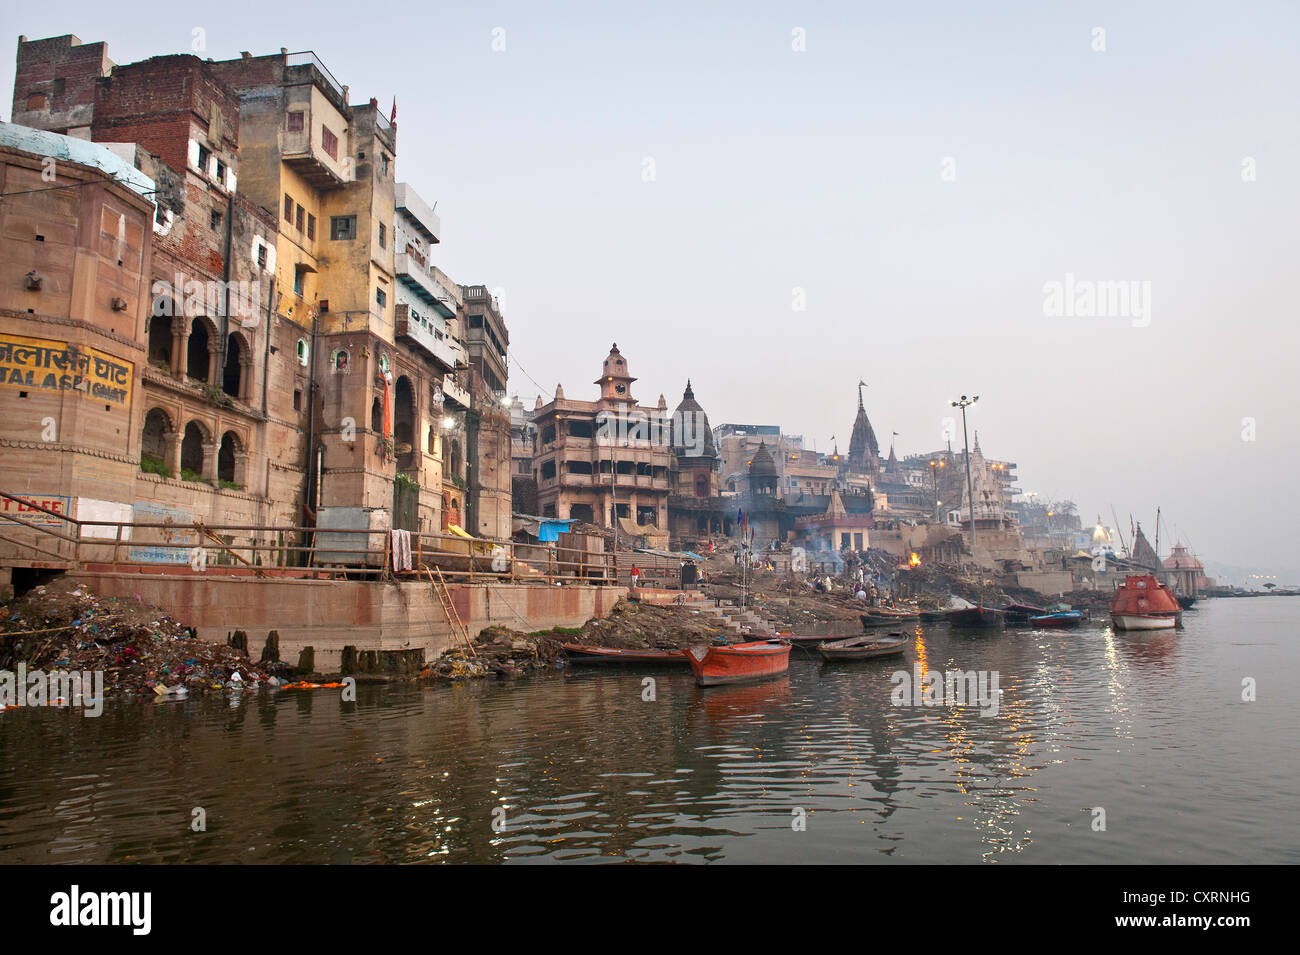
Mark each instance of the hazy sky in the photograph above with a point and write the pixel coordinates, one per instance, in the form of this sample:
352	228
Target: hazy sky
825	170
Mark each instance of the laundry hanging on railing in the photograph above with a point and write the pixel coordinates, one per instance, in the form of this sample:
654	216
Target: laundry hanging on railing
402	550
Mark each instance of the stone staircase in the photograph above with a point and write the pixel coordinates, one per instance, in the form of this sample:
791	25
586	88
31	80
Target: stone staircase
735	619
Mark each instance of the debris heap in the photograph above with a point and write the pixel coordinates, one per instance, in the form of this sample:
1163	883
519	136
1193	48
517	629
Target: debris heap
64	625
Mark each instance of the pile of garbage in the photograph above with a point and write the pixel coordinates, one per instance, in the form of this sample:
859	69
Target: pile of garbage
630	625
141	650
636	626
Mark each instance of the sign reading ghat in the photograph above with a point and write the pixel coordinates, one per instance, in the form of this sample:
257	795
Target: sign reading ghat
43	365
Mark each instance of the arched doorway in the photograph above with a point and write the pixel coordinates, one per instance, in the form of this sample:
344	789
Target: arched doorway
192	448
153	441
227	456
197	355
404	414
160	339
232	378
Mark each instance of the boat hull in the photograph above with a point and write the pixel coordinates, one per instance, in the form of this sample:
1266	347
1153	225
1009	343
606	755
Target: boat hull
1130	621
976	618
862	649
1057	620
1143	603
739	663
585	655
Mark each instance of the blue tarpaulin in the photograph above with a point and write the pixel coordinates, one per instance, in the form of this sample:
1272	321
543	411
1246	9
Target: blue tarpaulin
549	531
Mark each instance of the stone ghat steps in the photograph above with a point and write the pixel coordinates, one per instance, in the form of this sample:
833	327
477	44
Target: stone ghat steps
734	618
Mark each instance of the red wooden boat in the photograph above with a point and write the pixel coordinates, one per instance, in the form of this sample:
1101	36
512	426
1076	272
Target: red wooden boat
1144	603
607	656
739	662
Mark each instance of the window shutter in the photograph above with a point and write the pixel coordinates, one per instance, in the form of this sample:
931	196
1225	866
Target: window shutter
194	155
230	179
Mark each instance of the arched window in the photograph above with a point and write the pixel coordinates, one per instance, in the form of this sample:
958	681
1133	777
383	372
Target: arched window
377	416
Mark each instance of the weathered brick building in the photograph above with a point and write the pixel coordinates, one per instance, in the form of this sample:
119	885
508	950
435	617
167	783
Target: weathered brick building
299	351
75	262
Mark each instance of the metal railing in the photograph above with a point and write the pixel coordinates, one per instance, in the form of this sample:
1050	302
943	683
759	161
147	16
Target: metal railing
309	58
277	550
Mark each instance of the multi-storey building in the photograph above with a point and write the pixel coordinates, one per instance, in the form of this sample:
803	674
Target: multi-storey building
218	441
487	430
75	264
606	461
301	351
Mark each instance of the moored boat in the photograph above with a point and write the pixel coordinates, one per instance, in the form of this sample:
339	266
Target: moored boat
1021	613
1061	618
1144	603
738	662
864	648
812	639
888	617
976	617
581	653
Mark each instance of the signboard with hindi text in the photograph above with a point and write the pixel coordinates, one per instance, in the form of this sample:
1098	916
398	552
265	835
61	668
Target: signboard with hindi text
39	364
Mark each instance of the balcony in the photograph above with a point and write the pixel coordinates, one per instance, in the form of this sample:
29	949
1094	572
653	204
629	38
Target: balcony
422	218
454	392
435	342
430	285
302	152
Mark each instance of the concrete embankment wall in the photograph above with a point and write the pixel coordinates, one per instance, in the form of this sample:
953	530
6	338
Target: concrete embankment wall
328	615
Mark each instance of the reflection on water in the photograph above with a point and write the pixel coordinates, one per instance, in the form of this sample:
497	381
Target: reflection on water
575	765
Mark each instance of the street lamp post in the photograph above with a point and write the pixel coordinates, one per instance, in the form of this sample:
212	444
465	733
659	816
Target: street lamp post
963	403
934	479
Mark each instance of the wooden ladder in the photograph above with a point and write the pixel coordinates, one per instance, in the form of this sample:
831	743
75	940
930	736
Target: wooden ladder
458	628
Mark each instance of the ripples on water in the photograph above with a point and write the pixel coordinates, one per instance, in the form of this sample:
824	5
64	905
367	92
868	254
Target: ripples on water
579	768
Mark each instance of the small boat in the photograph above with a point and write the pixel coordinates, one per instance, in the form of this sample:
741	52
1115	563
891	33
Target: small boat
1185	602
812	639
1021	613
934	616
864	648
1060	618
875	618
739	662
976	617
581	653
1144	603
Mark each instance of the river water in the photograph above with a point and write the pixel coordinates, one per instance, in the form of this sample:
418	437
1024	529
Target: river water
819	766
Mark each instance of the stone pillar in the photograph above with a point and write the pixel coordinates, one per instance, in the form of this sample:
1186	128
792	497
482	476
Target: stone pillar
215	371
180	341
172	452
210	462
241	469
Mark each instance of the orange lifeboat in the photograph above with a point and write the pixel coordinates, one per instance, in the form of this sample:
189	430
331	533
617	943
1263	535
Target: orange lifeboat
1144	603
